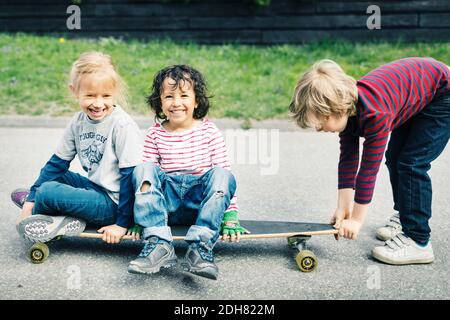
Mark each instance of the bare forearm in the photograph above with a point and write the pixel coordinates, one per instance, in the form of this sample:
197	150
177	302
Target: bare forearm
359	212
345	198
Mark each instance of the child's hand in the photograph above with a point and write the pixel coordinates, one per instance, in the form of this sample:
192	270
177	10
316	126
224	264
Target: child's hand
135	232
112	233
349	229
231	229
348	222
340	215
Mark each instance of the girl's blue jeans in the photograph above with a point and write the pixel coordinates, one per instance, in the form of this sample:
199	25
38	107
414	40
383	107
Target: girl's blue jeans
411	149
76	196
198	201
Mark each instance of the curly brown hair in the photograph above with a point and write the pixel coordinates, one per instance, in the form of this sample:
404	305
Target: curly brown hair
180	74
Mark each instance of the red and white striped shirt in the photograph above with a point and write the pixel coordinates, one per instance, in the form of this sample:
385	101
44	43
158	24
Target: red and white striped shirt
189	152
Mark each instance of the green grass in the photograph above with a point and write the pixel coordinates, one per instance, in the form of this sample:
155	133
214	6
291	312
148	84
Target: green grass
247	82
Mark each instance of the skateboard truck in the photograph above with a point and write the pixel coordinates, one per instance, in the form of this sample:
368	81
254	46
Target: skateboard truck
306	259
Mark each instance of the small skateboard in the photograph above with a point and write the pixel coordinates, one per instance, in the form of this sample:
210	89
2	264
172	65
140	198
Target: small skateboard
296	233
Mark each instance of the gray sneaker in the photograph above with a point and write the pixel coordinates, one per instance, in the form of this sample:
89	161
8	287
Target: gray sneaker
155	255
199	260
42	228
403	250
391	229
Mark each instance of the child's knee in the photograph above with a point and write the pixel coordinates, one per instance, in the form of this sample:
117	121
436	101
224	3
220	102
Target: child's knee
223	181
46	197
407	166
45	191
145	186
144	172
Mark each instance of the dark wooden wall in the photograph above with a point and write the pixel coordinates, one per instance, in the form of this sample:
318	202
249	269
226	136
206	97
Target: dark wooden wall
220	21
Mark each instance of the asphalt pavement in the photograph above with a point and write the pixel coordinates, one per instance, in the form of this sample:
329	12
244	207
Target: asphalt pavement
282	175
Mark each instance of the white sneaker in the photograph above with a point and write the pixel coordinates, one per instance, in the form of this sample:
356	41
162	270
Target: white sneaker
42	228
391	229
403	250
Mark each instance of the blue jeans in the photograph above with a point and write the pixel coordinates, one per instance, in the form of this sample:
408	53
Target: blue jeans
198	201
411	149
76	196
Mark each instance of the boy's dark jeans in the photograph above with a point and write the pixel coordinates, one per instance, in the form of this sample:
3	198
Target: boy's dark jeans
411	149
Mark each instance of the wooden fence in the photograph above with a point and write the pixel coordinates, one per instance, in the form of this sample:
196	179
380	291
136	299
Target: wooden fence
220	21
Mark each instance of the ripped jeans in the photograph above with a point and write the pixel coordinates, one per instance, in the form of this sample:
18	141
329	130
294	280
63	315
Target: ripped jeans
198	201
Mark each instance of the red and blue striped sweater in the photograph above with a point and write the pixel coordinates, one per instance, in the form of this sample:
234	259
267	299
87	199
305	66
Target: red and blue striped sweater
387	97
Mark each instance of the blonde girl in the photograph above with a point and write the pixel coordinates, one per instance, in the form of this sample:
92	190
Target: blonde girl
108	144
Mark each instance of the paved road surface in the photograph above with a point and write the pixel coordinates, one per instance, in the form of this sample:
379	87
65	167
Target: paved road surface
297	183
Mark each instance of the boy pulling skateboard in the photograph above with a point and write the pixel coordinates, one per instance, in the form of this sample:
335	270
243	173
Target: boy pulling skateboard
408	99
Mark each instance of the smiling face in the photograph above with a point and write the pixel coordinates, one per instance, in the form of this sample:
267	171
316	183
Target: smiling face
178	104
96	95
331	123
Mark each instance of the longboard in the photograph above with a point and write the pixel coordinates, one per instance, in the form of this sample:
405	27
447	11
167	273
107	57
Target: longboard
297	234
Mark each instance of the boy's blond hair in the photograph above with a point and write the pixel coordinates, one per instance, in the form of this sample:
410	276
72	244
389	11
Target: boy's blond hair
323	90
93	62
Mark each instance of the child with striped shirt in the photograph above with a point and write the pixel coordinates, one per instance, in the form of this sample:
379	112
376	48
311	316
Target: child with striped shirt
185	178
408	100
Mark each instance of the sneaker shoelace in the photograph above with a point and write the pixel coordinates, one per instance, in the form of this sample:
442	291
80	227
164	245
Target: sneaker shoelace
398	242
149	246
206	254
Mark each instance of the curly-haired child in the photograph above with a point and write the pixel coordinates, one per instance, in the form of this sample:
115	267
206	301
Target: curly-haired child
185	178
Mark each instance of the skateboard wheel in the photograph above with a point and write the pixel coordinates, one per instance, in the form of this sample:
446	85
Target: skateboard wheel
306	261
38	253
